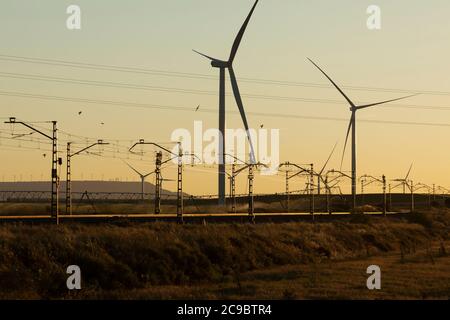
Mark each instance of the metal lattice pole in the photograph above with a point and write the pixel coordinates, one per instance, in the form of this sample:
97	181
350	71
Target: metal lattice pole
233	187
311	190
158	183
287	191
180	185
54	200
384	195
68	182
251	209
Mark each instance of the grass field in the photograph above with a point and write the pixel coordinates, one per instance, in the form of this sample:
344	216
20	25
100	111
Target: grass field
299	260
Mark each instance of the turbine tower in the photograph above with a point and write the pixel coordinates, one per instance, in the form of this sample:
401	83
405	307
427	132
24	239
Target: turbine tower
143	177
404	181
352	127
222	65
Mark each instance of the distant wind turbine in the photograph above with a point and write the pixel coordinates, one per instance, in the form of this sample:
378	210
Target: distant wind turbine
319	174
143	177
352	126
404	182
222	65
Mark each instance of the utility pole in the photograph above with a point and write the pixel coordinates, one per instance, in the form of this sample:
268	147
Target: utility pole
287	191
390	197
178	156
289	177
68	181
55	185
233	188
69	172
327	189
180	185
384	195
54	206
251	209
158	182
311	190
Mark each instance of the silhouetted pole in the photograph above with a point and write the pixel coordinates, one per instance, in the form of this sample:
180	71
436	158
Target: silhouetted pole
327	189
55	161
54	205
233	187
180	185
251	209
311	190
384	195
68	182
390	197
412	196
158	182
69	172
287	191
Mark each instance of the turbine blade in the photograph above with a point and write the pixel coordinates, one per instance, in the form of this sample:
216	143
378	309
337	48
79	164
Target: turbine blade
148	174
346	139
140	174
383	102
334	84
237	96
329	157
240	34
204	55
409	171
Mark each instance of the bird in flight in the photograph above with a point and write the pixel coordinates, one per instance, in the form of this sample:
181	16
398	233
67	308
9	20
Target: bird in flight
80	112
261	126
102	123
198	107
44	155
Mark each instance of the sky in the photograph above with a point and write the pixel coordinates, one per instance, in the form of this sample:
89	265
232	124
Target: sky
409	54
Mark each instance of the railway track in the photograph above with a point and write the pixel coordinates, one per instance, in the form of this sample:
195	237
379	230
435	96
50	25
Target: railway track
189	217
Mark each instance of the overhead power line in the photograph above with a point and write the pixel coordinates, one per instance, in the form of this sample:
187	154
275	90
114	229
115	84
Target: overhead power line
205	110
167	73
122	85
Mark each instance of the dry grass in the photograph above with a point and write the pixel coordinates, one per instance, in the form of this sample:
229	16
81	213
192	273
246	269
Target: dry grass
162	260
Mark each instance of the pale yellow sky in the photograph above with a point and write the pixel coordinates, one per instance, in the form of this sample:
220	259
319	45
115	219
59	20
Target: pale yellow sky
410	53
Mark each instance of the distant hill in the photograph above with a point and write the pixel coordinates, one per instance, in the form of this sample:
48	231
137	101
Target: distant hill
81	186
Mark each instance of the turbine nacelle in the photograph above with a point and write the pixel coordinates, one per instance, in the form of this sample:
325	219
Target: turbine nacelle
220	64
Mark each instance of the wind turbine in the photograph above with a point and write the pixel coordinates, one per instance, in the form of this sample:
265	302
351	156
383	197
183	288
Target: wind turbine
319	174
404	181
142	176
352	126
222	65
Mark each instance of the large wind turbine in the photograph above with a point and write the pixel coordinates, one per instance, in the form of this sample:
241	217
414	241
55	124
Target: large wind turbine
352	126
222	65
142	176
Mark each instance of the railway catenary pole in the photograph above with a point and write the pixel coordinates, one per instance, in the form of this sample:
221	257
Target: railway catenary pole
384	195
69	171
54	206
158	181
180	185
289	177
311	190
179	155
287	191
251	209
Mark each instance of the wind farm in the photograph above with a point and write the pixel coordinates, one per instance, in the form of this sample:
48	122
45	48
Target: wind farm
115	147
